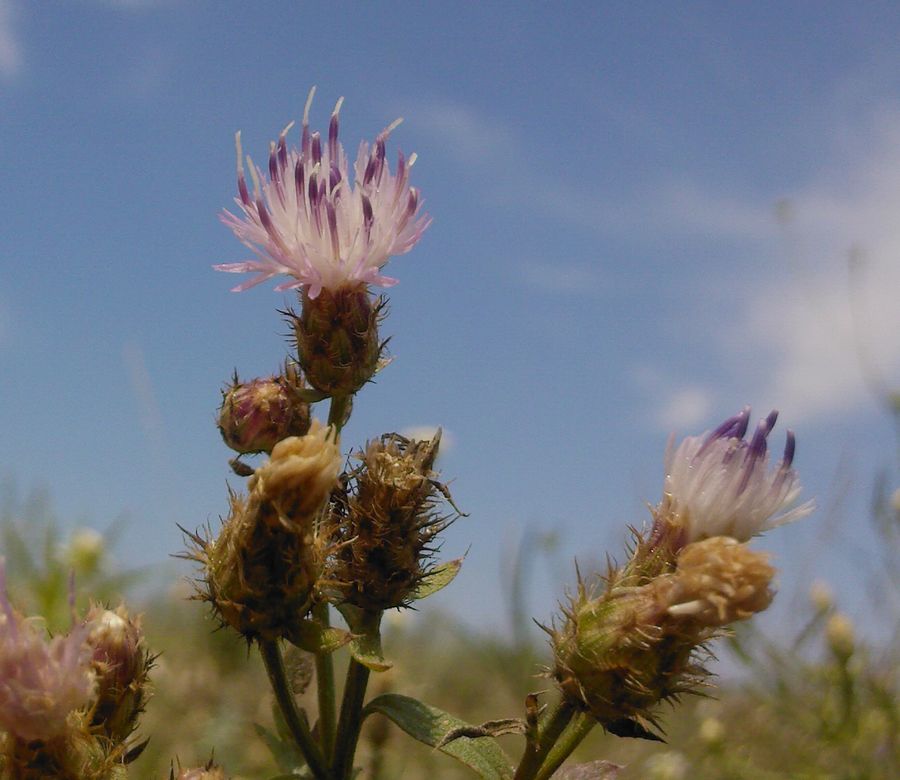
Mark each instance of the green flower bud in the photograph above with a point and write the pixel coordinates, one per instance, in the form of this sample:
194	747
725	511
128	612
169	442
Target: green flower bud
337	339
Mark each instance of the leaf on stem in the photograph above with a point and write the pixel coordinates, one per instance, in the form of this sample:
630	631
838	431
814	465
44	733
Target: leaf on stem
432	726
438	578
365	641
312	636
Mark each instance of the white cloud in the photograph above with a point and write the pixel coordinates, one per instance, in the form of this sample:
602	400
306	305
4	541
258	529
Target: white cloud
563	278
145	396
686	408
466	134
10	49
427	432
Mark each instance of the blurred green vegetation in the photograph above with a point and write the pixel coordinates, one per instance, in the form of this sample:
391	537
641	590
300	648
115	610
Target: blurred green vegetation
821	704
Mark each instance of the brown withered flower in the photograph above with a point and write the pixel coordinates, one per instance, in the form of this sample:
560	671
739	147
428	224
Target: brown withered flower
384	520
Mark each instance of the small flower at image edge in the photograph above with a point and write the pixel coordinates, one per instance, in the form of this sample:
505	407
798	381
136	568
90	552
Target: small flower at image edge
720	484
41	681
307	220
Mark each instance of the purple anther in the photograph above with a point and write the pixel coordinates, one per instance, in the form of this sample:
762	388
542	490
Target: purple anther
273	164
770	420
789	447
298	178
313	189
242	189
333	137
282	152
369	173
413	202
758	443
265	219
316	148
733	428
334	176
380	152
368	214
332	228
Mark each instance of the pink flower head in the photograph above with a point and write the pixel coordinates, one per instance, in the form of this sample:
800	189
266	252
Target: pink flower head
41	682
718	484
306	219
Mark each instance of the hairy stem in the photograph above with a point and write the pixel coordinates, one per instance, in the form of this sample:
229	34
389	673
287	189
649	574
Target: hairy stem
296	723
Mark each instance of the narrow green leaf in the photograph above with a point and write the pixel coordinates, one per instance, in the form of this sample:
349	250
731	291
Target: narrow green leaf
430	726
439	577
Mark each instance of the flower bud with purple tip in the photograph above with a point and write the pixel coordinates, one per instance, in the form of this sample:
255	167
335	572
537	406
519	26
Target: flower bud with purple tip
256	415
720	484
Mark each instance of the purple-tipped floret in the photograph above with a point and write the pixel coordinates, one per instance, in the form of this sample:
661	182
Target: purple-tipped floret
789	447
316	148
333	136
734	427
242	189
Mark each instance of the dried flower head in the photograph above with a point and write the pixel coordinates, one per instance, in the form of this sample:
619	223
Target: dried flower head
638	643
385	522
300	474
718	484
41	681
717	581
258	575
309	221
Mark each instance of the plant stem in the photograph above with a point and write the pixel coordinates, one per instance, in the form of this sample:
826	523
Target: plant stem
549	729
325	690
576	731
350	721
296	723
338	409
325	687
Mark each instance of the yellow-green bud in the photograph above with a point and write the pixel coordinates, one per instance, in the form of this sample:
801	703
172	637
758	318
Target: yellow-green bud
840	635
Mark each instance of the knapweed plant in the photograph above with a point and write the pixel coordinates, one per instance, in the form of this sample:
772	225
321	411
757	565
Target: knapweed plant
316	530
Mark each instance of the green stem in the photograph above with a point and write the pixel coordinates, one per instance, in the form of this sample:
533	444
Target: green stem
296	723
549	729
576	731
338	409
350	721
325	687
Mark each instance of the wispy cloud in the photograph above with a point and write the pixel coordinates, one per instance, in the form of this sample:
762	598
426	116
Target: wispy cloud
686	409
562	278
805	337
466	134
142	385
11	61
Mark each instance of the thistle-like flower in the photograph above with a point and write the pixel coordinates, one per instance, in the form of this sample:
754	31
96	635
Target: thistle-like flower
41	682
309	221
719	484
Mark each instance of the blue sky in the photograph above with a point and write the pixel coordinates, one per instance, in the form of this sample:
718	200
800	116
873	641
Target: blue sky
608	261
